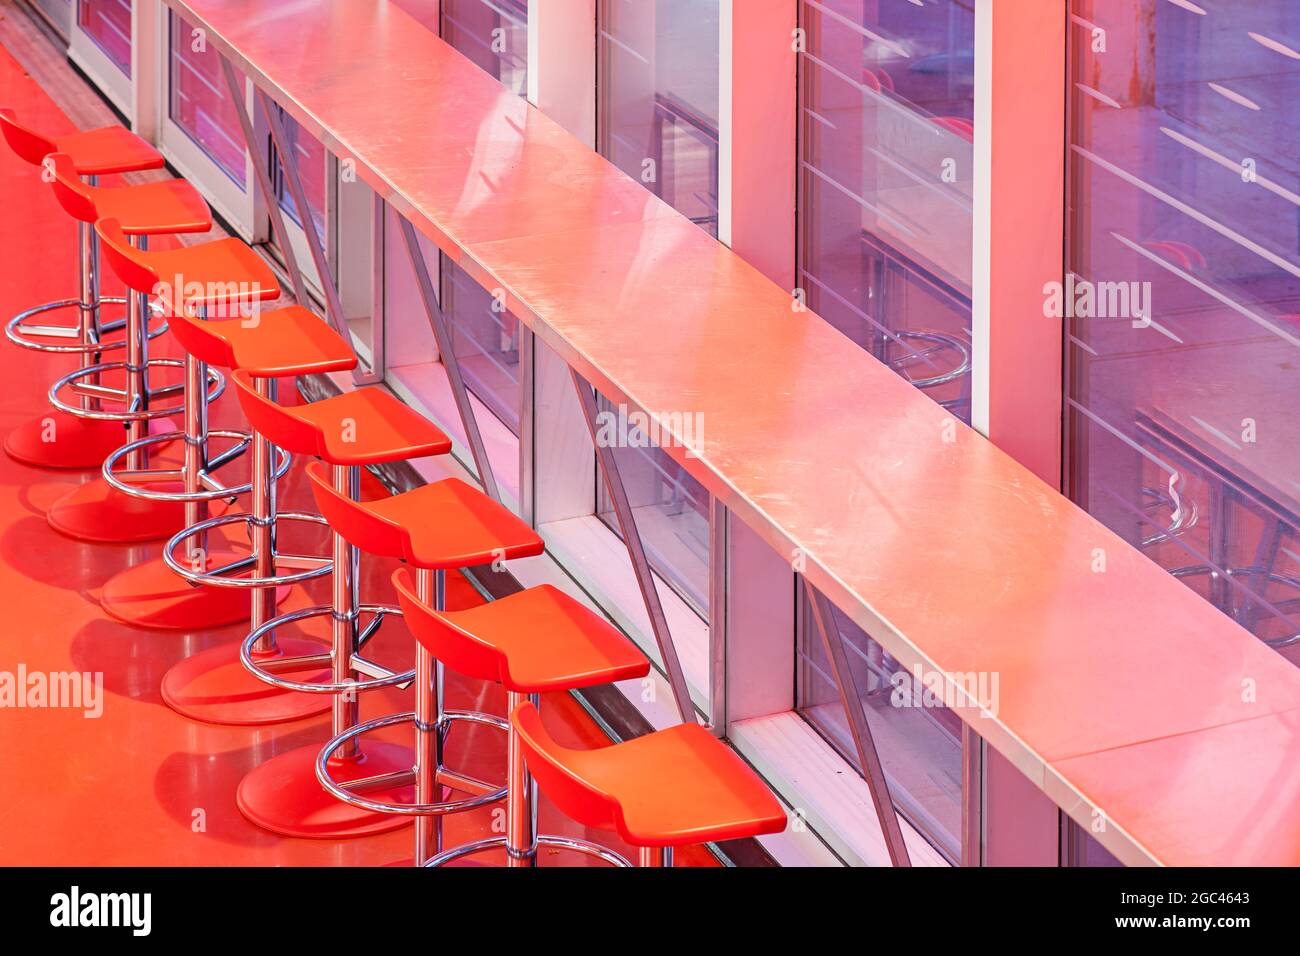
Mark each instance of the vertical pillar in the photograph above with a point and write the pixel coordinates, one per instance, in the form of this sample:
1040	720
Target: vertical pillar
1019	228
148	67
1018	247
562	63
757	101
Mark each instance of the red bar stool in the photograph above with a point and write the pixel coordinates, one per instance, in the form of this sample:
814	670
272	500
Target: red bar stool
223	274
214	686
55	440
444	526
96	511
532	642
360	428
668	789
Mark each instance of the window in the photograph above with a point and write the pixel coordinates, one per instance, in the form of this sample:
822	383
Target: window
485	336
920	747
312	164
886	141
670	507
108	24
659	99
200	101
492	33
1183	246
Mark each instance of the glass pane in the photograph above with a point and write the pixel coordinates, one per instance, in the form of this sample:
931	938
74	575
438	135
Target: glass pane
671	508
919	741
886	142
486	339
492	33
659	99
108	23
200	103
310	157
1183	299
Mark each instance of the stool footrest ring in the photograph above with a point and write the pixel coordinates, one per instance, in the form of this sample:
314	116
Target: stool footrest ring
220	580
1248	571
557	842
412	809
119	479
17	334
216	385
250	663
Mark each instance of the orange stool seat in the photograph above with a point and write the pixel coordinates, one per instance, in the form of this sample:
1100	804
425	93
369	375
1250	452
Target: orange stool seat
670	788
535	641
96	152
365	427
149	209
283	342
212	274
440	526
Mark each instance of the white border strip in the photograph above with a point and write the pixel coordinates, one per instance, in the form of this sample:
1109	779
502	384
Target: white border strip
982	220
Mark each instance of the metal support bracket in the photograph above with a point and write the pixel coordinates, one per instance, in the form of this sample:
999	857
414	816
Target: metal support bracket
438	322
636	551
863	742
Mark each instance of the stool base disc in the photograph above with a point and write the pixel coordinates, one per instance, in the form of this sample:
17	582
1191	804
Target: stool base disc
283	795
215	688
152	595
59	440
98	512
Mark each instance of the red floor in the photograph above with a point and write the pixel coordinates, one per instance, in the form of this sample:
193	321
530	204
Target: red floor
141	785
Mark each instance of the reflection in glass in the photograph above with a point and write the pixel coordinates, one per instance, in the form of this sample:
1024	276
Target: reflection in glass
658	95
492	33
886	141
108	23
1184	249
200	103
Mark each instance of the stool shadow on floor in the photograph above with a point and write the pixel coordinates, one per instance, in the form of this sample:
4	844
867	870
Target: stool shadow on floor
34	550
199	788
132	661
189	782
36	489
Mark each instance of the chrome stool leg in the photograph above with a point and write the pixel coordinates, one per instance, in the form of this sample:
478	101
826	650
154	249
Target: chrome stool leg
99	511
432	587
211	580
521	840
300	807
261	523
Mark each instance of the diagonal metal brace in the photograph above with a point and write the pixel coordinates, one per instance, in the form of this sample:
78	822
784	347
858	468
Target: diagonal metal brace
636	551
863	742
438	322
